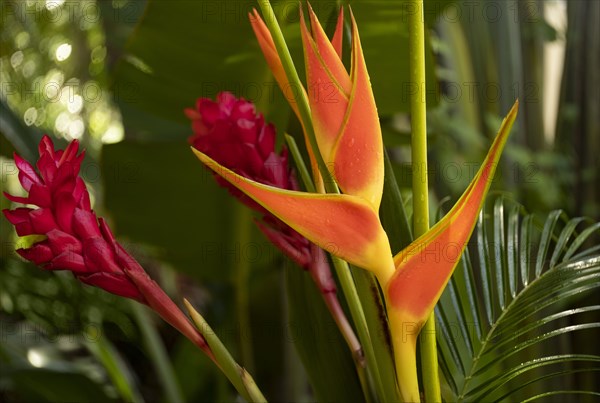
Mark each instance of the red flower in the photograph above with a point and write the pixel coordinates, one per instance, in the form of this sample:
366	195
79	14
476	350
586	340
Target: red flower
232	133
76	240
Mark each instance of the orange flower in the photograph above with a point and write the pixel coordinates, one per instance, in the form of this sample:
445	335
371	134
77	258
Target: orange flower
342	105
349	139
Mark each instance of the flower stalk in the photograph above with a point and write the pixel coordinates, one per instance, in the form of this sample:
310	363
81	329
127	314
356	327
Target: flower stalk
420	188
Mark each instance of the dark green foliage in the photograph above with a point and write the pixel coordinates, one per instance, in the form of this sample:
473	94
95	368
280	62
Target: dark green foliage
509	315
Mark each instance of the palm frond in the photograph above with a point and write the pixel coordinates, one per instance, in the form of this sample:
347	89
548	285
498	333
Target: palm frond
521	291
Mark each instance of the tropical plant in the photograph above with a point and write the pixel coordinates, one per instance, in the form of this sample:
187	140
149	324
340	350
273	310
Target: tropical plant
514	321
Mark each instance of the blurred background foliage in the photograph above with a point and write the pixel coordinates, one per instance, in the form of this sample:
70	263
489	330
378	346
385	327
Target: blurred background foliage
117	74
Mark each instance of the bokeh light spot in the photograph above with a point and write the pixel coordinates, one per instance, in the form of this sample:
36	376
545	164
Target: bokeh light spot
53	4
30	116
16	59
63	52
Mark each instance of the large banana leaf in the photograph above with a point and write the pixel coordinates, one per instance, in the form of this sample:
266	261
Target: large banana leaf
520	293
211	48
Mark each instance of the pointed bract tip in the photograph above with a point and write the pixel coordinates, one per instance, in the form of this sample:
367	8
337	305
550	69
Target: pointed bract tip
338	35
515	108
254	15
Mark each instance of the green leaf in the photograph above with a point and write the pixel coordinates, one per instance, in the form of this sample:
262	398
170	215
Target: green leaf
516	353
117	369
211	48
44	385
394	218
158	194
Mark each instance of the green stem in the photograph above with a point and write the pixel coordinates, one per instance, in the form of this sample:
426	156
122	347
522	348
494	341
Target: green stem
342	270
416	35
304	174
429	361
240	280
238	376
158	354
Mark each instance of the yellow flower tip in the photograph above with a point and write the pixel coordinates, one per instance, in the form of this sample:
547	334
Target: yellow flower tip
378	257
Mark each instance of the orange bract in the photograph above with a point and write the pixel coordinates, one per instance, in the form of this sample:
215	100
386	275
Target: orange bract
342	105
425	266
343	225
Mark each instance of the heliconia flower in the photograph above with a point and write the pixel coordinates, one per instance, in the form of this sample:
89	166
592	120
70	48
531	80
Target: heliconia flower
342	106
425	266
349	140
346	225
76	240
234	134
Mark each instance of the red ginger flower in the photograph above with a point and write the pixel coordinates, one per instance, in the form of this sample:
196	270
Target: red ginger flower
235	135
231	132
76	240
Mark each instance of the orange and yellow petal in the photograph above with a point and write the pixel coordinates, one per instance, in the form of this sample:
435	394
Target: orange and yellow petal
265	41
343	225
425	266
328	100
